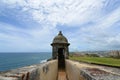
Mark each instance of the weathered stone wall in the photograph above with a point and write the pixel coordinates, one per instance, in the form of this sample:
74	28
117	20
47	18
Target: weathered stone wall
45	71
73	71
82	71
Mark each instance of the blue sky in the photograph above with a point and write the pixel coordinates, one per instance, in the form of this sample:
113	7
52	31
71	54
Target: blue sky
31	25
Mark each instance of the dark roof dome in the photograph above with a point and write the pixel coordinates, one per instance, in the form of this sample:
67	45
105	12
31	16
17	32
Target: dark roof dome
60	38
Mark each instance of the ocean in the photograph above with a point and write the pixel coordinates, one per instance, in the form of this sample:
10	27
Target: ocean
16	60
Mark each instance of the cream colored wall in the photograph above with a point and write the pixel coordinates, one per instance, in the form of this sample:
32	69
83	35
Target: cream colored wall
73	71
49	71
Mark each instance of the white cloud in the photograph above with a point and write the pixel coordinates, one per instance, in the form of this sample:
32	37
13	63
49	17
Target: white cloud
101	35
65	12
68	12
72	13
16	39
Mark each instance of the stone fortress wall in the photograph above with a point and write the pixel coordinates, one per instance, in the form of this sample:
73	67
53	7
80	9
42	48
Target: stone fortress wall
44	71
84	71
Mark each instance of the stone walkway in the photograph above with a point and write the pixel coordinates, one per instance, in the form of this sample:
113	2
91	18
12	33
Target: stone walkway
61	75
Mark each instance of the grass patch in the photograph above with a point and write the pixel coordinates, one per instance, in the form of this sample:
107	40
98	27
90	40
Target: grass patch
98	60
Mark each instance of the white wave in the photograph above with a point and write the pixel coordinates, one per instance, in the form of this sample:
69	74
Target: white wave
43	61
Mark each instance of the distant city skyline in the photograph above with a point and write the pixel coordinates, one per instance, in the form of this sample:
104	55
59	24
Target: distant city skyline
31	25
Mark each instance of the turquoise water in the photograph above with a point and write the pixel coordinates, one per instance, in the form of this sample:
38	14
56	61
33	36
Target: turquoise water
16	60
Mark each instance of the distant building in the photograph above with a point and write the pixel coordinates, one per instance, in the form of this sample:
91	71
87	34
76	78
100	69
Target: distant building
115	53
